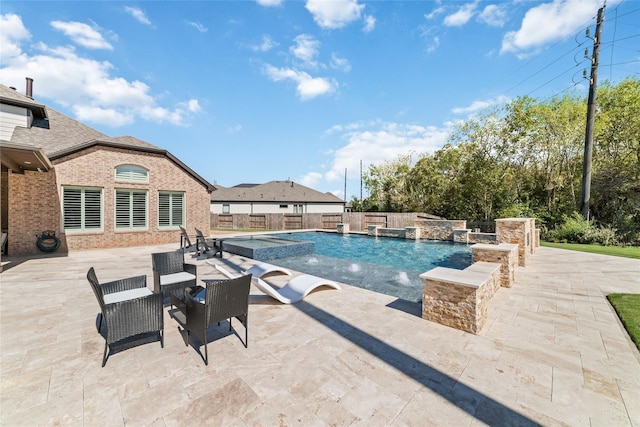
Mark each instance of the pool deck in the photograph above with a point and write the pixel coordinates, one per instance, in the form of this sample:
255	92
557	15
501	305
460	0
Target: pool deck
552	353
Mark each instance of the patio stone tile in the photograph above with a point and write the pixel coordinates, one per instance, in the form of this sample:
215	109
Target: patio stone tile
552	353
427	408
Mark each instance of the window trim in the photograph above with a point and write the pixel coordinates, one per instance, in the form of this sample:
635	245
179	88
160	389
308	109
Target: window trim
133	171
82	228
131	227
172	224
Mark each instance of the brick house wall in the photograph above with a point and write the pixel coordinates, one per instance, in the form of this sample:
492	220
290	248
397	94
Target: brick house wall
35	200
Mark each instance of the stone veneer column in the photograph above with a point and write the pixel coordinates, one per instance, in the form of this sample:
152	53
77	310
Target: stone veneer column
461	235
505	254
343	228
518	231
455	298
412	233
372	230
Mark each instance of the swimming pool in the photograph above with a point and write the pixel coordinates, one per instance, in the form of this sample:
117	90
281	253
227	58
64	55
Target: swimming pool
386	265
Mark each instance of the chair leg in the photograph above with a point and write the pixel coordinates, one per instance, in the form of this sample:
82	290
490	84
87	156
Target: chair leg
206	353
105	356
100	323
162	339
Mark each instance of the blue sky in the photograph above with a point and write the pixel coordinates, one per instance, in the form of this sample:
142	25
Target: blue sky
254	91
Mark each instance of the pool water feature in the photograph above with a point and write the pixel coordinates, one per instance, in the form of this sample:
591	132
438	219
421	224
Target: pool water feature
382	264
265	248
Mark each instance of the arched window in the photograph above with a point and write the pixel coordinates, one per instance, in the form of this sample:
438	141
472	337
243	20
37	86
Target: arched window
132	173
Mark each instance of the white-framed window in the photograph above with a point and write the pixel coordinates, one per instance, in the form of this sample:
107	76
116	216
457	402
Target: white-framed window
298	208
132	173
226	208
170	209
81	209
131	209
284	206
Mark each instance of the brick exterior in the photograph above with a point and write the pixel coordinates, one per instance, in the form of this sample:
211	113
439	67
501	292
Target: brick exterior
35	200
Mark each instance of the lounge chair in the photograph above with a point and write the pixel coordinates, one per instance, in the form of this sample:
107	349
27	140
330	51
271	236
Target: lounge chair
185	241
257	270
293	291
215	246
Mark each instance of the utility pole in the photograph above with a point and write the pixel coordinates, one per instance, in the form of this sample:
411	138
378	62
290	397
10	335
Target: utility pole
360	185
591	112
345	184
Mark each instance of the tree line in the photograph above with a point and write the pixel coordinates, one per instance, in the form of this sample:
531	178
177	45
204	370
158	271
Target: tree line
524	159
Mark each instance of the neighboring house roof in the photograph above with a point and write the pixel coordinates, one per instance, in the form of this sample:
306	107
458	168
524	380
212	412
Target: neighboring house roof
273	191
57	135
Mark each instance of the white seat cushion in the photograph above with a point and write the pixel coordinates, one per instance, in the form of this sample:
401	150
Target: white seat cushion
170	279
126	295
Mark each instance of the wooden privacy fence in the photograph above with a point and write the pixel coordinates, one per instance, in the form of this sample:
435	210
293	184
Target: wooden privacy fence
358	221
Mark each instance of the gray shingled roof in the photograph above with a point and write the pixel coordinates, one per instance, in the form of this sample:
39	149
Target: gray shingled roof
58	135
273	191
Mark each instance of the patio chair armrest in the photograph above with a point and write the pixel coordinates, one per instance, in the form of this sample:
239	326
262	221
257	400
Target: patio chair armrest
195	313
191	268
124	284
133	317
156	282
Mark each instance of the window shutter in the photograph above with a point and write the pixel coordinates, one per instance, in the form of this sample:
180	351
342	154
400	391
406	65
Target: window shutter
92	209
177	209
72	208
164	213
122	209
132	173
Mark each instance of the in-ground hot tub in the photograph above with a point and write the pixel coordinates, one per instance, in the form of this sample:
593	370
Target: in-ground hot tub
264	248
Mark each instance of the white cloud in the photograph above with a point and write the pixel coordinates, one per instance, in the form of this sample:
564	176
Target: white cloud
433	44
369	24
138	14
266	45
269	3
461	16
548	22
311	179
480	105
198	26
82	34
83	85
308	87
334	14
375	142
306	49
435	12
12	32
340	63
493	15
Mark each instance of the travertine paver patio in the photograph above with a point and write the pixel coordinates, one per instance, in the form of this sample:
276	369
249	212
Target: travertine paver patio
552	353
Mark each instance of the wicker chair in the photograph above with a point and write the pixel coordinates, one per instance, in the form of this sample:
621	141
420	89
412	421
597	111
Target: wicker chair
171	275
128	308
223	299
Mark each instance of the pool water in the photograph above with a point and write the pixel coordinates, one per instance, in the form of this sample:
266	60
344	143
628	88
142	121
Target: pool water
382	264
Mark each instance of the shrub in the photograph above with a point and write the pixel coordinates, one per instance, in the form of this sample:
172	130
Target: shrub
575	229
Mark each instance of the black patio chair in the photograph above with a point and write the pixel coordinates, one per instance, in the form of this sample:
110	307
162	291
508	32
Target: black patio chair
202	246
171	275
223	299
128	308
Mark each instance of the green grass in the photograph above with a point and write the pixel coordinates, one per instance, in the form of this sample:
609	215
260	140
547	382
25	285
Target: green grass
621	251
628	308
